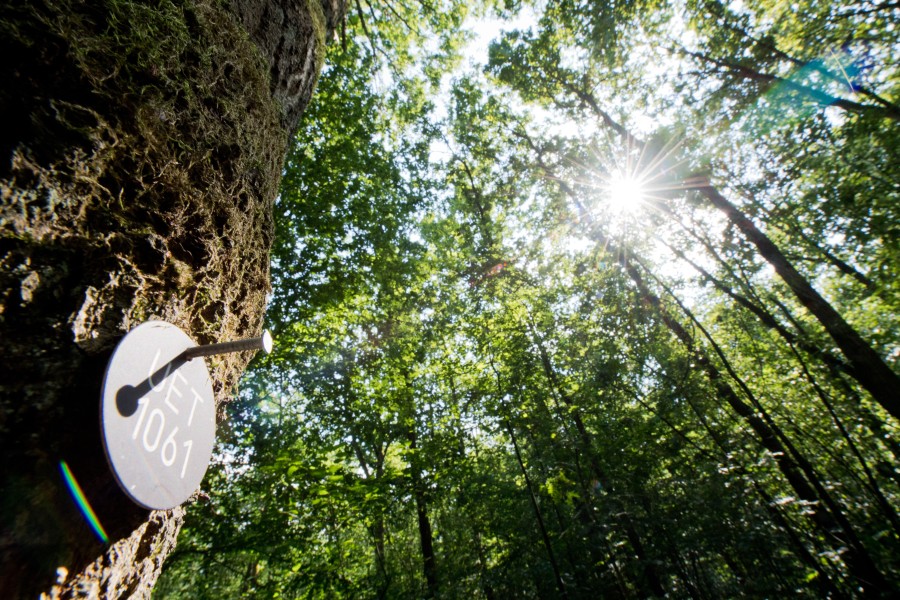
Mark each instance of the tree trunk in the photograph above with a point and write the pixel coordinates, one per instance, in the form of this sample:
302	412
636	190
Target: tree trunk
650	582
141	153
545	537
426	539
869	368
827	517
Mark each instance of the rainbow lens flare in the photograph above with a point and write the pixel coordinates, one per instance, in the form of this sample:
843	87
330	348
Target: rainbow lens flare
82	502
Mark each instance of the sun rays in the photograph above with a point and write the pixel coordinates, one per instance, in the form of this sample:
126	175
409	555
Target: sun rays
627	184
624	193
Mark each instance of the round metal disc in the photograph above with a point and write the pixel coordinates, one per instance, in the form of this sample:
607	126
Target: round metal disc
158	416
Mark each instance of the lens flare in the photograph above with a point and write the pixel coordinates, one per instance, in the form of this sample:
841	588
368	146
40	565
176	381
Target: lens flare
625	193
82	502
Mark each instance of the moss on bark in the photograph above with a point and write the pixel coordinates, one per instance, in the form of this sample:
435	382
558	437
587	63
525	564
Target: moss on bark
137	177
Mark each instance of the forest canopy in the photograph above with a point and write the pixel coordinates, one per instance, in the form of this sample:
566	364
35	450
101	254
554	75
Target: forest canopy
576	300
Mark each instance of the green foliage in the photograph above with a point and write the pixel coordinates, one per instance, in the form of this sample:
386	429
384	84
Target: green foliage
490	383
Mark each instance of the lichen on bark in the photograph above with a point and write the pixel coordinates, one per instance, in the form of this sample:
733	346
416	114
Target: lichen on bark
137	176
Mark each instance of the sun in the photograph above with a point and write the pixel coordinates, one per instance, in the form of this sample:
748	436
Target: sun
624	193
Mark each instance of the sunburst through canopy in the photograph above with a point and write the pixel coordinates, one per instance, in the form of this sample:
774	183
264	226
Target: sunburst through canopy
624	193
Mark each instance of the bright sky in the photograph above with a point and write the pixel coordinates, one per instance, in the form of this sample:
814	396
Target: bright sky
624	193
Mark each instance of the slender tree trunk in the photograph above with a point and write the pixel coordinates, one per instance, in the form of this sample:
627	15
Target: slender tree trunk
835	365
574	560
873	373
486	586
764	316
652	581
426	540
796	469
377	529
874	488
380	563
872	421
545	538
822	580
799	473
870	369
429	564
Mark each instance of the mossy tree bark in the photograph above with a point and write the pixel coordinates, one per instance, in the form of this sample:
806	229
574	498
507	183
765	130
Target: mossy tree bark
141	152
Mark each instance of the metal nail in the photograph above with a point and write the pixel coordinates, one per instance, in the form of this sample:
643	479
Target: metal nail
263	342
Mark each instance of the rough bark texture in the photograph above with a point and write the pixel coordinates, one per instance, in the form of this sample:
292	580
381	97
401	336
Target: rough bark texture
140	155
294	48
